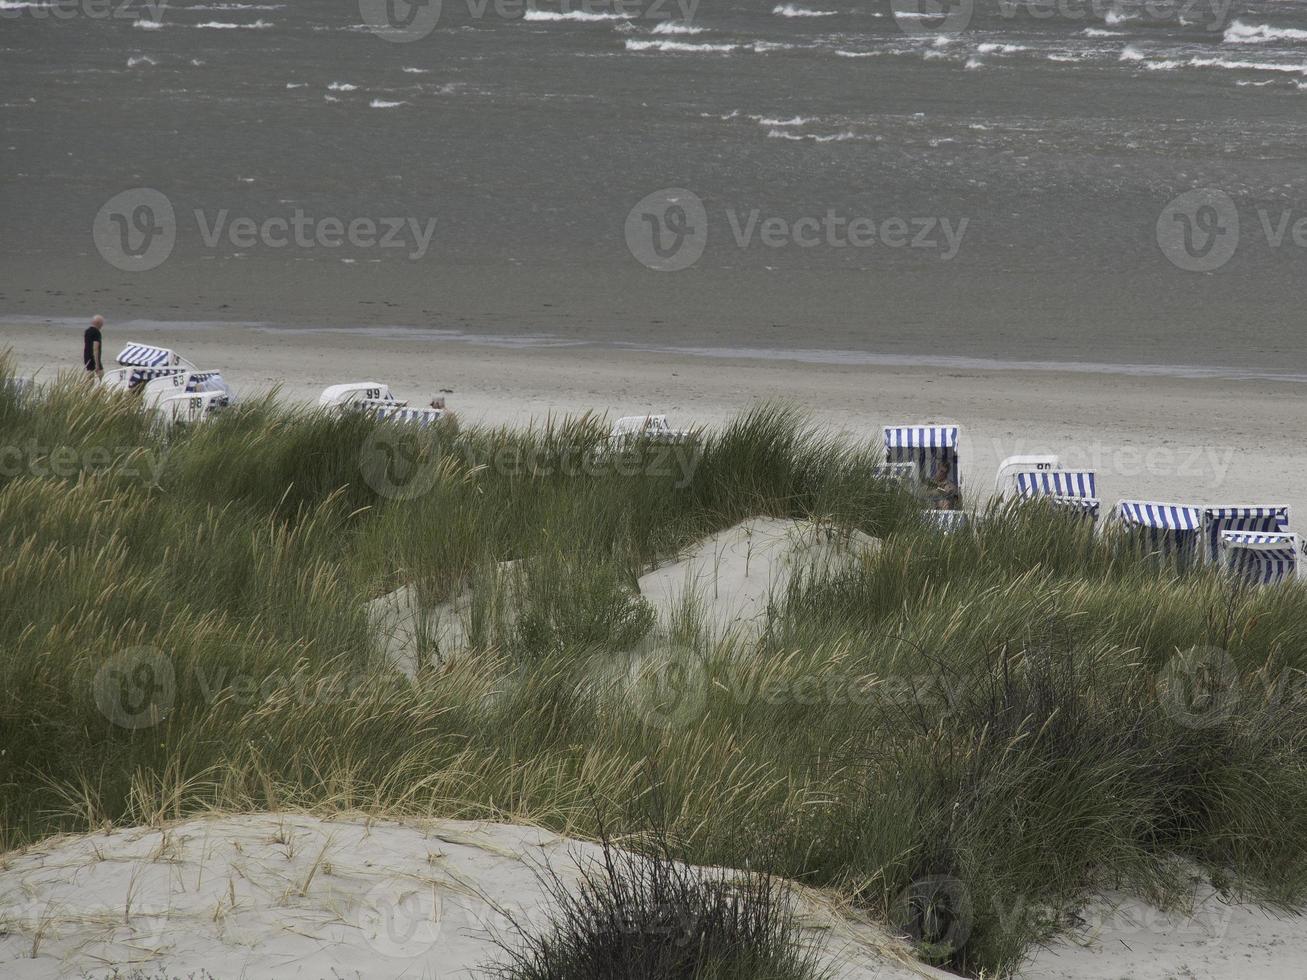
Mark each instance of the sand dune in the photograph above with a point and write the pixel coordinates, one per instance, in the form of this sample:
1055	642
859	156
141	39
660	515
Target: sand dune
282	896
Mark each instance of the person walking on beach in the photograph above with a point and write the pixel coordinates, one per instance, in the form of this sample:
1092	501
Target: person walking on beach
92	344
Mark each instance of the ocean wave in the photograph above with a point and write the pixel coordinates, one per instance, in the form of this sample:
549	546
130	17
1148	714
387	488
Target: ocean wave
297	84
145	24
1133	54
383	104
140	59
1099	32
341	87
235	6
681	47
1115	18
222	25
417	71
781	134
675	27
794	10
856	54
992	48
973	64
573	15
794	121
1241	33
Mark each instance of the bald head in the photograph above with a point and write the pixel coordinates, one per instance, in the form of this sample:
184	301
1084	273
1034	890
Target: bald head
97	321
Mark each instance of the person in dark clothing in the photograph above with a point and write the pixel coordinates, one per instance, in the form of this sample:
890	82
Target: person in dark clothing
92	342
941	489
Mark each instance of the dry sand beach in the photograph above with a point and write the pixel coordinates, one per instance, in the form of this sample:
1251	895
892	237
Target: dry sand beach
1215	437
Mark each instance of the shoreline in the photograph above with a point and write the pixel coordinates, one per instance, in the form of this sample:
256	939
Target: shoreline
846	357
1211	438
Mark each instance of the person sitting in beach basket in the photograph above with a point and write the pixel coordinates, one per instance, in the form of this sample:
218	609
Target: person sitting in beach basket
941	490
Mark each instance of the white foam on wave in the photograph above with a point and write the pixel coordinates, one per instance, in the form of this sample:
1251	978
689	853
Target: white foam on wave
973	64
1133	54
297	84
991	48
1115	18
584	16
140	59
383	104
793	121
794	10
680	47
1232	65
341	87
781	134
856	54
237	6
675	27
1241	33
222	25
417	71
145	24
1099	32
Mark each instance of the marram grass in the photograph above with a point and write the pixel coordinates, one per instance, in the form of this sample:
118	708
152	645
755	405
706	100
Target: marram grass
964	735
